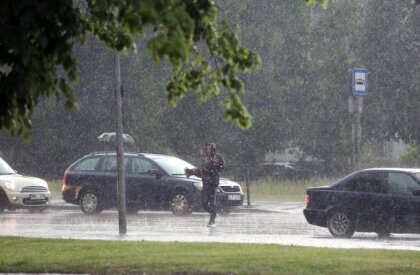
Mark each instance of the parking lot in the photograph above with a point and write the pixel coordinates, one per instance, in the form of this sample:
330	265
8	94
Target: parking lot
264	222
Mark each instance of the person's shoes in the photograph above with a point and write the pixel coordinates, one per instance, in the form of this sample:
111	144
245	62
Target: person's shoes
211	224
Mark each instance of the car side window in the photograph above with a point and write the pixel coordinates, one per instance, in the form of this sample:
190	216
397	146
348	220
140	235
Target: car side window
142	166
109	164
88	164
399	183
373	183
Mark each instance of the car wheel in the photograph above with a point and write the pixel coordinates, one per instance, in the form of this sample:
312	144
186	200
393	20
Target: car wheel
180	204
90	203
2	204
3	201
340	225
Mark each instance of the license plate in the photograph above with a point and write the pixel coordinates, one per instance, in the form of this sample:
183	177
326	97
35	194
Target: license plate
36	196
234	197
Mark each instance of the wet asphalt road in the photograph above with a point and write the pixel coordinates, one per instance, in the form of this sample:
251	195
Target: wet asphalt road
266	222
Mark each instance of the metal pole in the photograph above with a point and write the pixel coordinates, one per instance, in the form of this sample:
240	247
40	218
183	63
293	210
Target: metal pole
358	136
357	130
352	108
122	211
248	193
353	139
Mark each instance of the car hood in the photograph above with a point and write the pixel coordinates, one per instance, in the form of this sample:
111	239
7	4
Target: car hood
21	181
227	182
222	181
192	178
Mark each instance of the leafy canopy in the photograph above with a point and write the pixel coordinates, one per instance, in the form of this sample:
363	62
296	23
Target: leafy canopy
38	37
323	3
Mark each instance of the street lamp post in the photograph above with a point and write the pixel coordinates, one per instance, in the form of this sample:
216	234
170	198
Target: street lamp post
122	211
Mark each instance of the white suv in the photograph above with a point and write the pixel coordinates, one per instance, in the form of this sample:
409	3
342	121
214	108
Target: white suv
17	191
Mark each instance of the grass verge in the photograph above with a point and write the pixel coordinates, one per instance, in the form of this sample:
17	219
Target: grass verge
55	188
38	255
281	190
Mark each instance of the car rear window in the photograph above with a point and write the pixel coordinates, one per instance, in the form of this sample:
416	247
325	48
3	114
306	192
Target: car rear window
88	164
369	183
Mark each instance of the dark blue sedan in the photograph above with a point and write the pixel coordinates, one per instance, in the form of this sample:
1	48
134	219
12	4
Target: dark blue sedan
152	181
381	200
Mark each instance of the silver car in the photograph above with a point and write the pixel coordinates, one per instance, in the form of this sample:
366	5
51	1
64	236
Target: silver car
17	191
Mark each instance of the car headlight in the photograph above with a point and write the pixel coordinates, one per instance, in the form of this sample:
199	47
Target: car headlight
9	185
198	185
240	188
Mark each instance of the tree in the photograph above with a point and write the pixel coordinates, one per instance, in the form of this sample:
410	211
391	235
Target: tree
282	41
394	71
36	50
317	106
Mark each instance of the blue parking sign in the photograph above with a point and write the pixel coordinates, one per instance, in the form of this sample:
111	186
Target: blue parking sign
360	81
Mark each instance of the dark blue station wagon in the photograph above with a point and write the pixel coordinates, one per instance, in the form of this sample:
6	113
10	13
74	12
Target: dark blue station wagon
152	181
381	200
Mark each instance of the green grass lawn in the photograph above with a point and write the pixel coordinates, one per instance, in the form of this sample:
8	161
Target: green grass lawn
281	190
37	255
55	188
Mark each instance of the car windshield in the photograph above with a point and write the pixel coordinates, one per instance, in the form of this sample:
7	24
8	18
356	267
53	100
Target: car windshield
173	165
5	169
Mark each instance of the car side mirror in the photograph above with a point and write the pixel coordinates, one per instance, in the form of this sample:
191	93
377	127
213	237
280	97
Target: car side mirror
154	172
416	191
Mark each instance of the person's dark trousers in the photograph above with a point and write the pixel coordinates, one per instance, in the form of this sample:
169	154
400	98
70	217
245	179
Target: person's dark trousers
208	200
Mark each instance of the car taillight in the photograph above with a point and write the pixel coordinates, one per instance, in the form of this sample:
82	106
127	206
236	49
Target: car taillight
307	200
65	178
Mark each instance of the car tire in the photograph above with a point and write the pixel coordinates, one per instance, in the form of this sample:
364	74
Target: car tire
90	203
180	204
340	224
3	203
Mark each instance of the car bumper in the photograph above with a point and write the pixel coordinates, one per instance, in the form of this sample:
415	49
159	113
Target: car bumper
69	194
29	200
315	216
229	199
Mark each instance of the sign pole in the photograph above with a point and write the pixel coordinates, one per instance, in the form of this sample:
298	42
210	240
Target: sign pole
357	129
359	89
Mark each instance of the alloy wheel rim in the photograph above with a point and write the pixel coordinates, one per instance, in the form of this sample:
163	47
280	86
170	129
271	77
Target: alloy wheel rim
340	223
89	202
179	203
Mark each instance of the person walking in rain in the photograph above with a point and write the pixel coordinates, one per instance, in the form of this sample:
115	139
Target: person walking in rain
209	172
